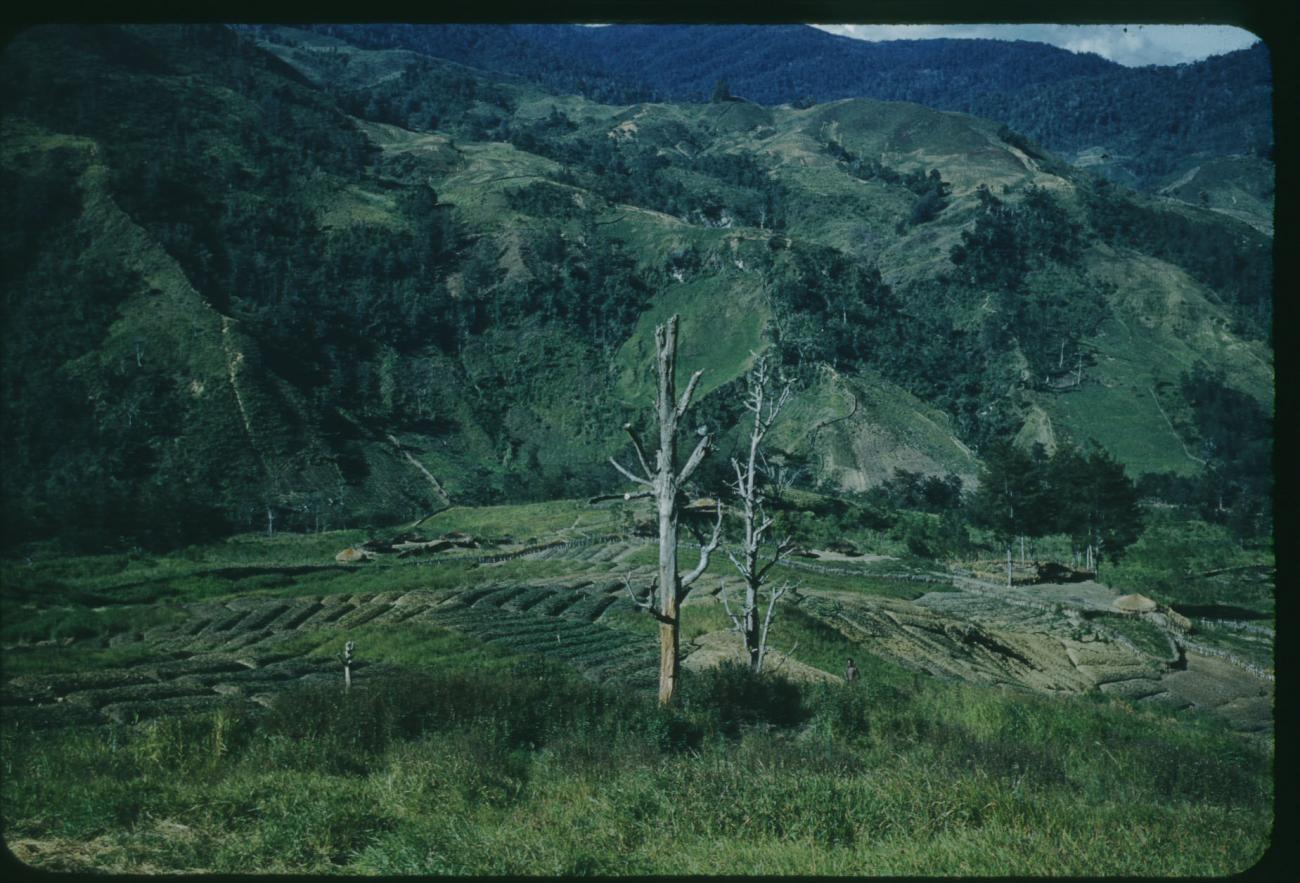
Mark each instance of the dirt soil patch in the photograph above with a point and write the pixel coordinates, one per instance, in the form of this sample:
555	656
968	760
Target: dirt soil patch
1037	637
714	648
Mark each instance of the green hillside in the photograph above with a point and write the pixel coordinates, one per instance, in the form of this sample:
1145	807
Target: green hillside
312	362
298	285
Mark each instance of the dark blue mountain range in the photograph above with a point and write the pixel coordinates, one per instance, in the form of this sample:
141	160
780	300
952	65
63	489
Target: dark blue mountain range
1155	117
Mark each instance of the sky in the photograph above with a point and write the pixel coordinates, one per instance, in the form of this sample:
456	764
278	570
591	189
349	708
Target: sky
1129	45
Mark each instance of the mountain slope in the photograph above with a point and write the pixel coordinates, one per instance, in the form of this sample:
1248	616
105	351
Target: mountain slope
291	299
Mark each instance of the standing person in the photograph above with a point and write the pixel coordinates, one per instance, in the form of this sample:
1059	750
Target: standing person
850	672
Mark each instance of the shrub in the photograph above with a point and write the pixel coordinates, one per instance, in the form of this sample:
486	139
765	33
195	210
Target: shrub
668	730
731	696
843	708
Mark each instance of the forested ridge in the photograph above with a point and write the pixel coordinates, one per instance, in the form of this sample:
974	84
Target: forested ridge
248	274
1153	116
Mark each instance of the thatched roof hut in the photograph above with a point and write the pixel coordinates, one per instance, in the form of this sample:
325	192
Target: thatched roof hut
1134	604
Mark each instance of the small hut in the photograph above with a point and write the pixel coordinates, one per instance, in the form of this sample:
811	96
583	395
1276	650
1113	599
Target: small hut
1134	604
705	505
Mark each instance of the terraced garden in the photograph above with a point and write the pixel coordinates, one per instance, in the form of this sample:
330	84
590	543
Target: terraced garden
566	601
502	718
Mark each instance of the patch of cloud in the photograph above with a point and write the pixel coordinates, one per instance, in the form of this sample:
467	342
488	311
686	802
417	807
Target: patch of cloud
1129	45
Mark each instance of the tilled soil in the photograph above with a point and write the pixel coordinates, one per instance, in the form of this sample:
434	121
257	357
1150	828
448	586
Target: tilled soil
1037	638
226	653
1020	641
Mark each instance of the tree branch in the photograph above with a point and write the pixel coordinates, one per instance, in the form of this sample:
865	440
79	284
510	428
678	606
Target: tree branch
684	402
693	463
740	567
740	477
689	592
785	656
640	452
706	550
647	604
735	620
629	475
775	407
781	548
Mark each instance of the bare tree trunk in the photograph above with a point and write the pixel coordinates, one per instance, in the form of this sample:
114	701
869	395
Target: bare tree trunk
664	484
665	491
669	625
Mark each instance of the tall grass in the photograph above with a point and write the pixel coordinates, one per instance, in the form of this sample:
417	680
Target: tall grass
529	769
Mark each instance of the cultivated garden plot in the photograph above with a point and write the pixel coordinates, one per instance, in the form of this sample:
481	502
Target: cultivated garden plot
988	634
227	652
1048	638
218	694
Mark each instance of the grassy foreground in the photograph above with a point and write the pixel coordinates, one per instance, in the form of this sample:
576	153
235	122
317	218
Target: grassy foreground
480	759
493	764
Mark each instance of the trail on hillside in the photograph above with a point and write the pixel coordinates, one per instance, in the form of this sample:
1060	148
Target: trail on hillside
853	409
420	466
234	359
1170	424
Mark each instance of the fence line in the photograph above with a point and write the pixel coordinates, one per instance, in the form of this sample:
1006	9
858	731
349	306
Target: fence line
902	577
1237	626
566	545
1249	666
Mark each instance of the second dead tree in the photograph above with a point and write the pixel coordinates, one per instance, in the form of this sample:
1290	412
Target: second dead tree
765	402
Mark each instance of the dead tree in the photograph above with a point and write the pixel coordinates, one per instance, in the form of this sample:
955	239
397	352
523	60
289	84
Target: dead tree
664	485
765	403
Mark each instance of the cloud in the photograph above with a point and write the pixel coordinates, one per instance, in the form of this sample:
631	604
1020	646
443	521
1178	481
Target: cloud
1129	45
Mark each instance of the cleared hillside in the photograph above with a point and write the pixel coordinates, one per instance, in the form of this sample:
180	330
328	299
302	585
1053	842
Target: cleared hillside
329	286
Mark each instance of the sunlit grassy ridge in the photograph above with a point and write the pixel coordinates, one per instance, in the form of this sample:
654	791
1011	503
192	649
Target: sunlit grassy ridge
722	323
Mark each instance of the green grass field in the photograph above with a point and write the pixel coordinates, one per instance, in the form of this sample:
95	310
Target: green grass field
489	742
498	768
